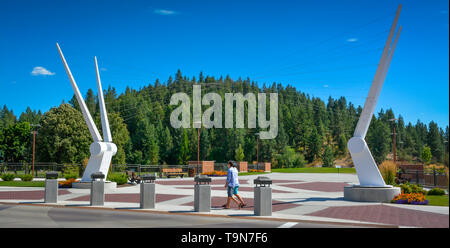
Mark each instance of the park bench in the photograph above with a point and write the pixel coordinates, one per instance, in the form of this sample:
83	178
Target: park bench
173	172
132	177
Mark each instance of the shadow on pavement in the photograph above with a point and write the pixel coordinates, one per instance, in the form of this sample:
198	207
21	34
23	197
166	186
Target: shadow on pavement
311	199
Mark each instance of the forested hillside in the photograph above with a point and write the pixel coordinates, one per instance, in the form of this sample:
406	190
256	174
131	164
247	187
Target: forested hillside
309	129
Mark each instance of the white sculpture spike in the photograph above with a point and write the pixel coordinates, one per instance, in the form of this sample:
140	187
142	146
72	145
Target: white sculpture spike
101	152
87	116
104	116
366	168
375	89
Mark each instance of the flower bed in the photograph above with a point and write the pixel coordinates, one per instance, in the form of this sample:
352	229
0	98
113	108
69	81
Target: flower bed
253	170
410	198
215	173
67	183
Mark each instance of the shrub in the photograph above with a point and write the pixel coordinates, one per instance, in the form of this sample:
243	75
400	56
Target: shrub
71	176
8	177
388	170
26	177
118	178
408	188
417	189
436	191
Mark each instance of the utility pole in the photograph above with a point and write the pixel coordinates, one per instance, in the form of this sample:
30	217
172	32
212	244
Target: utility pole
34	142
198	146
393	140
257	151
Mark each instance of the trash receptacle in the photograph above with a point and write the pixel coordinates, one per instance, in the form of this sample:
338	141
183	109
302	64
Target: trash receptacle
202	193
51	187
147	195
262	196
97	189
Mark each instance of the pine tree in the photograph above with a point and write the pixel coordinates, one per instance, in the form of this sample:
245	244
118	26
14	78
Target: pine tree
434	141
239	153
426	154
183	150
328	157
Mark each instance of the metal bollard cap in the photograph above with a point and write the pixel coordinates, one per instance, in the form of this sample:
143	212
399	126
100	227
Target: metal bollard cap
97	175
202	179
148	178
51	175
262	181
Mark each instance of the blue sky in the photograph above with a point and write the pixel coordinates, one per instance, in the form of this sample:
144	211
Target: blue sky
325	48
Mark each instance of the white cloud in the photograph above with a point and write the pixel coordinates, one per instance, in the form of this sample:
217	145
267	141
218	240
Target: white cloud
39	70
325	86
352	40
164	12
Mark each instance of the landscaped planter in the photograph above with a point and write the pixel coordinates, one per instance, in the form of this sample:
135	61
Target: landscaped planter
411	198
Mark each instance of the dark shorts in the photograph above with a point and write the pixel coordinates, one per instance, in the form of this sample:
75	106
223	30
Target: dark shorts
232	191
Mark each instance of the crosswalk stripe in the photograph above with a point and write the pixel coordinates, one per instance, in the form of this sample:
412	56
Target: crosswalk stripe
288	225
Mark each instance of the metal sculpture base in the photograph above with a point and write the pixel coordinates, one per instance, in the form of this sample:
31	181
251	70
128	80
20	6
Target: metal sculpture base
80	185
370	194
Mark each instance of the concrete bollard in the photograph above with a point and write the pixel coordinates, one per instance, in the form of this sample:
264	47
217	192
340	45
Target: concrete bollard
97	189
262	196
51	187
202	194
147	195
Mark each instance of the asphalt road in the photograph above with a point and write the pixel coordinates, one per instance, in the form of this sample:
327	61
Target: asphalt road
25	216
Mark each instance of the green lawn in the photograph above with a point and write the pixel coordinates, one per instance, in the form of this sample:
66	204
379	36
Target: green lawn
437	200
23	184
315	170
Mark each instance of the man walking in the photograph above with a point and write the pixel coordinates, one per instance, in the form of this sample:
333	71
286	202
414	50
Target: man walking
232	185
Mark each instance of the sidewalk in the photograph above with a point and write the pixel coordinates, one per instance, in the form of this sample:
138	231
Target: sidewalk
299	197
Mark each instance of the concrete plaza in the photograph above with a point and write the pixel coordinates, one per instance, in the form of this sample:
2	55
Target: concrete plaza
297	198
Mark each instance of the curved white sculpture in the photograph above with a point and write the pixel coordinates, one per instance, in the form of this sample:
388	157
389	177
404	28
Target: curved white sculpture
366	168
101	151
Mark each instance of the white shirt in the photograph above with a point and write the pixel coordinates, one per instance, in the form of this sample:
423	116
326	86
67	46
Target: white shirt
232	177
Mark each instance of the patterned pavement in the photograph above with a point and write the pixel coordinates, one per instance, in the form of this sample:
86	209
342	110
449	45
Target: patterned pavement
386	215
27	195
294	196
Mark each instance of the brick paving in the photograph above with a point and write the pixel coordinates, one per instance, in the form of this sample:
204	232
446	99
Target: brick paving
275	181
191	182
319	186
386	215
249	189
27	195
217	202
310	197
130	197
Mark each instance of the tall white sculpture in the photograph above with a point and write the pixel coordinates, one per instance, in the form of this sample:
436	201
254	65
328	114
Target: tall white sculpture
101	151
366	168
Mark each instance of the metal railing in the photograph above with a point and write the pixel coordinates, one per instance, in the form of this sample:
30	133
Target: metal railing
42	167
426	177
